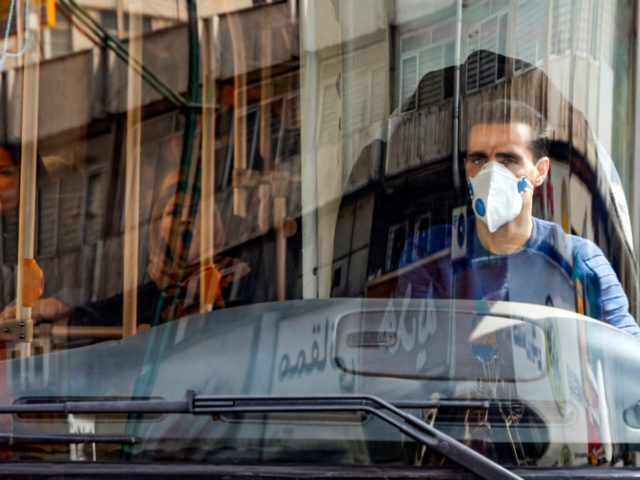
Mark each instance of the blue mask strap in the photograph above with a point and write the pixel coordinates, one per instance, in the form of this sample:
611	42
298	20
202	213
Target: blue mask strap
524	184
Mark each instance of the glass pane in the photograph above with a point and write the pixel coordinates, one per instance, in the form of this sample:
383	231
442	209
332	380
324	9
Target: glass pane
208	208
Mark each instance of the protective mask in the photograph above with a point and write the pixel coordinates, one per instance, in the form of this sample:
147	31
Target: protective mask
496	194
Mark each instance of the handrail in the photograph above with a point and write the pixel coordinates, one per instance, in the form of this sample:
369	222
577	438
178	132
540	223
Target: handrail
122	52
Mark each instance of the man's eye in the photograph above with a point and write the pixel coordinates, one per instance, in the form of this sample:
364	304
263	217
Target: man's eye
509	160
171	212
477	160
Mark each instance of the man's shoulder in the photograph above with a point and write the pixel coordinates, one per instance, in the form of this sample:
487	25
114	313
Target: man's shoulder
546	230
550	235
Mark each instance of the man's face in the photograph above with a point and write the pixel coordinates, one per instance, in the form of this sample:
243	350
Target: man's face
506	143
170	214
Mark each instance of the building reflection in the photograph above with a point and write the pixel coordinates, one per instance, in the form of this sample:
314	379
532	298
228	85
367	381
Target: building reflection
360	110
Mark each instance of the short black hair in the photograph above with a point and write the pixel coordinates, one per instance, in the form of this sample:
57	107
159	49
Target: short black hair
513	111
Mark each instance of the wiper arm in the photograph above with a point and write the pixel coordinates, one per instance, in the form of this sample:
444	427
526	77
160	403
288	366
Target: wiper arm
194	404
159	406
410	425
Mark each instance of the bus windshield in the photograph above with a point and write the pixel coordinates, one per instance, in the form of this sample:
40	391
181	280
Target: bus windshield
311	232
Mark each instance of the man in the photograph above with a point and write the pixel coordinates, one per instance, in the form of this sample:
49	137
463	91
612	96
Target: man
510	255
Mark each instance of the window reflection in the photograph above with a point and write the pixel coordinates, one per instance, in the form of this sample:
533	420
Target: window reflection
356	122
197	157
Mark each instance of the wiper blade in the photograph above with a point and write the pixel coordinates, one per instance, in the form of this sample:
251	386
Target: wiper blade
194	404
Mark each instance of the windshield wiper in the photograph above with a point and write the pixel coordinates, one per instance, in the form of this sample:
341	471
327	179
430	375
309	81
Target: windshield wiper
406	423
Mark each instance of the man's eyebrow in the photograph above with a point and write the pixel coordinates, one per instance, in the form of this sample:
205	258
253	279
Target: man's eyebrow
477	154
510	154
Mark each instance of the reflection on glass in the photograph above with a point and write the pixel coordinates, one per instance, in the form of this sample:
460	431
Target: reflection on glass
195	179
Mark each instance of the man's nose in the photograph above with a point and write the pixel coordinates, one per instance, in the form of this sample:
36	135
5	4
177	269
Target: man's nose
492	157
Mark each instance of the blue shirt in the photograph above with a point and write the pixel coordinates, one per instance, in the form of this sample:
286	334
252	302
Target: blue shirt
553	268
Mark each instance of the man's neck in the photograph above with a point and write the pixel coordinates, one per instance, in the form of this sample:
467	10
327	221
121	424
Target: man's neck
507	239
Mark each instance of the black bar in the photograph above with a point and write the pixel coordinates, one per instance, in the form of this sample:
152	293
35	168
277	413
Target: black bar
63	438
105	406
82	470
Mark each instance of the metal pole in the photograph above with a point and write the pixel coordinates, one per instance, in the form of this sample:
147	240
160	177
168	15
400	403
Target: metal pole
308	149
20	29
132	181
456	99
27	213
279	217
207	199
121	31
239	115
265	131
635	210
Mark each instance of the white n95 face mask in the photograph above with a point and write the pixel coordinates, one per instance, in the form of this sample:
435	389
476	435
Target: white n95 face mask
496	194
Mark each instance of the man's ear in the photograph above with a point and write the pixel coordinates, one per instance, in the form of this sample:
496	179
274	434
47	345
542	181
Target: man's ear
542	166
